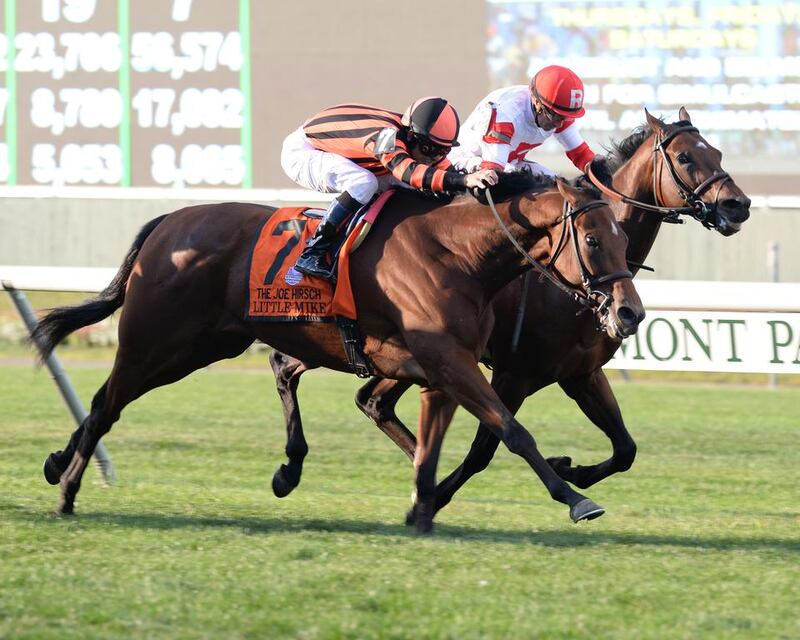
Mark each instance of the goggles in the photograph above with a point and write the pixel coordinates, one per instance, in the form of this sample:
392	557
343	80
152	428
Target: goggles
552	116
431	149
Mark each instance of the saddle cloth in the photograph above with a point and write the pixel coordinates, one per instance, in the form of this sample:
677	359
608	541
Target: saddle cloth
279	293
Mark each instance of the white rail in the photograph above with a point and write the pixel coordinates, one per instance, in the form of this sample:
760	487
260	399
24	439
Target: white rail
690	325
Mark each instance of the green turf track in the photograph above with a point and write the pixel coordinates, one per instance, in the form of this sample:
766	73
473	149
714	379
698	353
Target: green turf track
700	538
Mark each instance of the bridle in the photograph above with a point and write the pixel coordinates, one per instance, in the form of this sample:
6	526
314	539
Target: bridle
588	295
695	208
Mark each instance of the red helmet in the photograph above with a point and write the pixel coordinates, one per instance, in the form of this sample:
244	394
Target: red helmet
433	118
560	90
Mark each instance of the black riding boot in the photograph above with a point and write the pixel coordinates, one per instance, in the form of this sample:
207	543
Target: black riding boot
316	259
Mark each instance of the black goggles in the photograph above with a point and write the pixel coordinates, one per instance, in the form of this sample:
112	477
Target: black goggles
431	149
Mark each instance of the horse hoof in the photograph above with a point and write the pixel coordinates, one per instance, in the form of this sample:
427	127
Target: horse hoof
51	469
586	509
281	485
411	517
64	509
425	526
560	462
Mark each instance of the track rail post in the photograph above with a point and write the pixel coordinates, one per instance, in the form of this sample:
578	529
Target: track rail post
62	381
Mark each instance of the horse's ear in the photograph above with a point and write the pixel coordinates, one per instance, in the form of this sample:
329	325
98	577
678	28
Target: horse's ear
569	193
655	124
683	114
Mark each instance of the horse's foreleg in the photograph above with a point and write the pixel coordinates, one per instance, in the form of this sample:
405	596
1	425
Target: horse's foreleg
436	412
287	376
512	390
456	372
377	400
594	396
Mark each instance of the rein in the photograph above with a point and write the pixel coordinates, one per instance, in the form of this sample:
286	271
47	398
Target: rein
589	297
695	208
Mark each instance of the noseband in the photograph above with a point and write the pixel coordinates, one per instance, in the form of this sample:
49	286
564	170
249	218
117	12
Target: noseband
695	208
588	295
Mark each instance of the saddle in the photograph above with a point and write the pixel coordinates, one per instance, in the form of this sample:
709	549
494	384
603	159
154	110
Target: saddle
279	293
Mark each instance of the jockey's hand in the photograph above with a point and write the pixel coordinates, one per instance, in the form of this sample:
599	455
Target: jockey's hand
482	179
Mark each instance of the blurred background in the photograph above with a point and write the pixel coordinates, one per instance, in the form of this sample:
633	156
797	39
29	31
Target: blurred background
115	111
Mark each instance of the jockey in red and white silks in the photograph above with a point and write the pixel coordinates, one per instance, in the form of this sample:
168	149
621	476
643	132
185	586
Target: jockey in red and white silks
510	122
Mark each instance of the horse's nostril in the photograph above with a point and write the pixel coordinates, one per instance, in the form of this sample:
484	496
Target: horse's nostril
739	206
627	316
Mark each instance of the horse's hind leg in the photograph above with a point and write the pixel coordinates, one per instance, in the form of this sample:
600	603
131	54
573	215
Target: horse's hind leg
57	462
377	400
287	376
136	371
82	445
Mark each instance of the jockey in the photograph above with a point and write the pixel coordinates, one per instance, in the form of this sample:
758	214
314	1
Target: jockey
511	121
359	151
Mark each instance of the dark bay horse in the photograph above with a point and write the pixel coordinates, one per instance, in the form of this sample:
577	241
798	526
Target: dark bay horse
668	170
423	281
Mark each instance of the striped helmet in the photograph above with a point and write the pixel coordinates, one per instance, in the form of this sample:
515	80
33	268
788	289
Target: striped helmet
433	118
560	90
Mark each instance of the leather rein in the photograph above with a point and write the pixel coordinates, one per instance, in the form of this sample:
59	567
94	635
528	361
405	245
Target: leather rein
695	208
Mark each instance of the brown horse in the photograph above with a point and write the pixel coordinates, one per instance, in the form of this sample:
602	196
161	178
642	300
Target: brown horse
423	281
542	340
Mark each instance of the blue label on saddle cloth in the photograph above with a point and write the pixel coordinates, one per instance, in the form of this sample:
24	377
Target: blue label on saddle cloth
293	277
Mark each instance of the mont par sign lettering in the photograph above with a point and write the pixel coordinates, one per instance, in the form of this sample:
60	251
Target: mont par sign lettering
713	341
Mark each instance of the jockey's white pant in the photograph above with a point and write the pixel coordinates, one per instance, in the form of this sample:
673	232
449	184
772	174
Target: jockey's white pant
469	163
329	172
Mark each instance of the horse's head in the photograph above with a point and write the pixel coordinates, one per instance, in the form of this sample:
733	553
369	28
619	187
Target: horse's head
688	175
588	251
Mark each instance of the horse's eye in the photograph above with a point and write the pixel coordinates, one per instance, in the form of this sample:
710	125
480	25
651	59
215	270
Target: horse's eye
684	158
592	241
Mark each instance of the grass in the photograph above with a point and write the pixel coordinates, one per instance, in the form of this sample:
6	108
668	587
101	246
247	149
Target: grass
700	539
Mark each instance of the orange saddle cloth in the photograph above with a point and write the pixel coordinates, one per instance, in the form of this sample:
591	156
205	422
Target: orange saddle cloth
279	293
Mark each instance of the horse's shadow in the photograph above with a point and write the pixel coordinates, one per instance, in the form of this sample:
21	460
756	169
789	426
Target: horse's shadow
574	536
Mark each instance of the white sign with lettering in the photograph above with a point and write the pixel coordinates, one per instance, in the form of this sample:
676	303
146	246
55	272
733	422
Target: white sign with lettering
713	341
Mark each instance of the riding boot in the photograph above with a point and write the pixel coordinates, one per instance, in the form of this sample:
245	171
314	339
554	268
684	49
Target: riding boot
316	259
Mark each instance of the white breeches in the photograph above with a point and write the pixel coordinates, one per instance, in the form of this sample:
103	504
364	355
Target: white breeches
327	172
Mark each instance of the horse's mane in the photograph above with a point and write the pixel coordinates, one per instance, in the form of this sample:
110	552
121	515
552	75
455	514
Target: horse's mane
514	183
621	151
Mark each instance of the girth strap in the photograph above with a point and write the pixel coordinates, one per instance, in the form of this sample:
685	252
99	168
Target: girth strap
354	347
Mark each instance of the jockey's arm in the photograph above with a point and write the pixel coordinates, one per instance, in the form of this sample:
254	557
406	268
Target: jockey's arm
577	149
495	143
436	179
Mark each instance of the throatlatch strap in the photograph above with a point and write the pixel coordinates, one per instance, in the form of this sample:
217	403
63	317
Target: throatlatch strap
354	347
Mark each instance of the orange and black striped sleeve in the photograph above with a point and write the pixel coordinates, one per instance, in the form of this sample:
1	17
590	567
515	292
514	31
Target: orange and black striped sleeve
436	179
351	131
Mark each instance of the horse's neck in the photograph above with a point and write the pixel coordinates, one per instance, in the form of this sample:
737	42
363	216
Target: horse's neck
635	179
483	251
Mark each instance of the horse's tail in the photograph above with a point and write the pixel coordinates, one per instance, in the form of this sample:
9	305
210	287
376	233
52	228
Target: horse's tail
62	321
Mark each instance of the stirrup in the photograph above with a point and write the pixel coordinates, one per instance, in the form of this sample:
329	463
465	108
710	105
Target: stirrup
314	265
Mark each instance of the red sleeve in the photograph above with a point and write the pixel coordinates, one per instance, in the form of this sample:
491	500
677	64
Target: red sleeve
581	156
498	132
